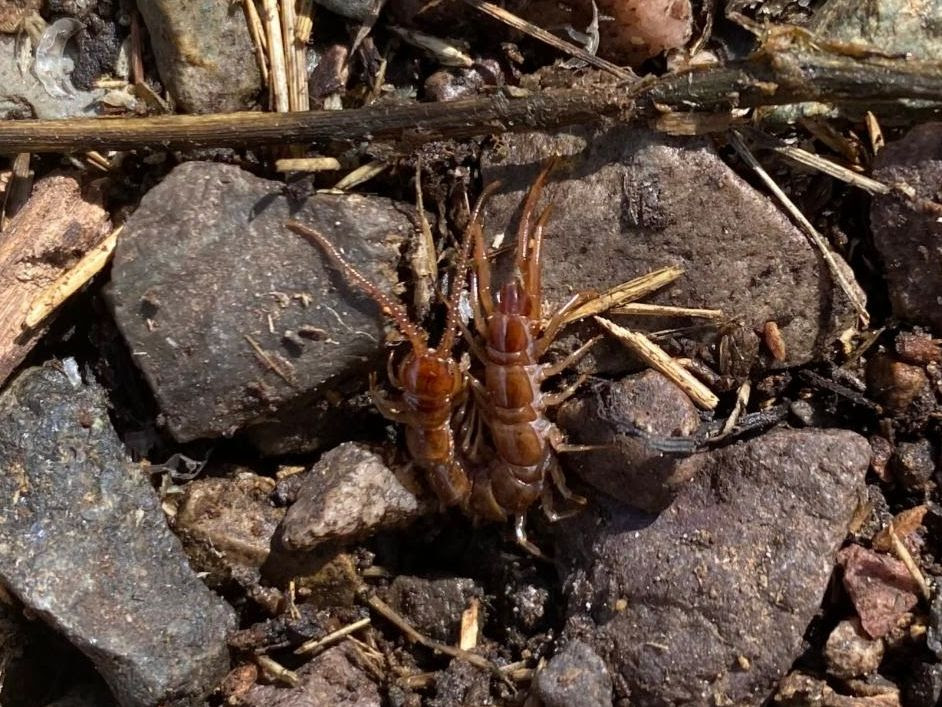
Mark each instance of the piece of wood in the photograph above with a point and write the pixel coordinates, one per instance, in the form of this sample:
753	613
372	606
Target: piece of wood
769	79
43	241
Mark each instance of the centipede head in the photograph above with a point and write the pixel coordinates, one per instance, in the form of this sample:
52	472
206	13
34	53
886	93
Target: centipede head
429	376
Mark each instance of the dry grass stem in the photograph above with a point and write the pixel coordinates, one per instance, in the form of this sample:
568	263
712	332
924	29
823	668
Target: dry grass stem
276	671
906	558
875	132
809	159
332	637
278	85
851	290
470	625
541	34
305	21
307	164
287	36
658	359
663	310
71	281
626	292
742	399
259	41
361	174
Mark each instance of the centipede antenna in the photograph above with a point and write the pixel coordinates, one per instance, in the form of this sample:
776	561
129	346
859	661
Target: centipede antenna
533	196
392	309
461	270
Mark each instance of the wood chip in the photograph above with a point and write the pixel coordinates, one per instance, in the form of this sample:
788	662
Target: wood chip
904	524
307	164
658	359
41	243
71	281
470	625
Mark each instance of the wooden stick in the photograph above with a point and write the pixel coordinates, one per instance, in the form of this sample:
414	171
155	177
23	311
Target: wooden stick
658	359
792	77
316	643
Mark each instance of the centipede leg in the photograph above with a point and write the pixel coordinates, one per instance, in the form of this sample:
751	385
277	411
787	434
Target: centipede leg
558	398
559	480
520	531
558	320
570	360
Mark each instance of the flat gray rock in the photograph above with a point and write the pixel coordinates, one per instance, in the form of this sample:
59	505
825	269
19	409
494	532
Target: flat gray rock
234	319
627	201
204	54
84	544
908	238
707	602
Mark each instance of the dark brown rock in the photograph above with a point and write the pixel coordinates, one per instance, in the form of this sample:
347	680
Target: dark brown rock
348	494
907	236
631	470
575	677
433	606
331	678
207	280
913	465
708	602
628	201
85	545
226	525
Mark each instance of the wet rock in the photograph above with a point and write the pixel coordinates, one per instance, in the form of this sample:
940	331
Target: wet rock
226	525
331	678
658	201
575	677
682	606
913	465
924	687
77	508
632	471
23	96
351	9
204	54
350	493
207	280
880	586
850	653
433	606
906	236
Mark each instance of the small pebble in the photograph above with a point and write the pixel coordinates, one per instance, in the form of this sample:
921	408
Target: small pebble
850	653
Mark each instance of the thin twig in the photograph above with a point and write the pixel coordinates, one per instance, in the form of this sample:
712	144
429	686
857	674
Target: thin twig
907	559
851	291
541	34
276	671
307	164
332	637
660	360
269	361
257	33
